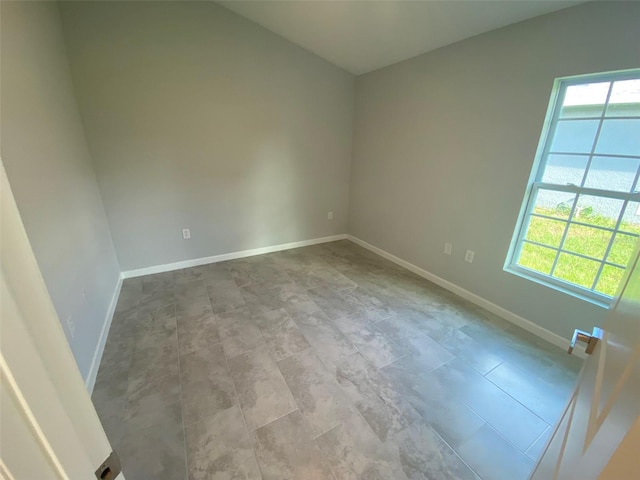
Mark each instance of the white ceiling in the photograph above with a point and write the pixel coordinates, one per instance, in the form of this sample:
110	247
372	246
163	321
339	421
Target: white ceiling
361	36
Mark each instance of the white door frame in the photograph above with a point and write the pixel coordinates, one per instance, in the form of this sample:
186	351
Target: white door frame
38	370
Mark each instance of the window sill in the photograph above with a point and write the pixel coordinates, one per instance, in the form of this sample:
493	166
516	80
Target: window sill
595	299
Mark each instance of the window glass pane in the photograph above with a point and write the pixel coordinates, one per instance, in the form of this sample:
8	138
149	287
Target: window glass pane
631	218
585	100
577	270
545	230
536	258
622	249
600	211
589	241
609	280
575	136
619	137
612	173
625	99
553	204
565	169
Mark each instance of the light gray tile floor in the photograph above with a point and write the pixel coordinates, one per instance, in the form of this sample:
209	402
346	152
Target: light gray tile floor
324	362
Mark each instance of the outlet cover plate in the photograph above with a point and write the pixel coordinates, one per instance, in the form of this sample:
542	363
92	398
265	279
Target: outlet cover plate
468	257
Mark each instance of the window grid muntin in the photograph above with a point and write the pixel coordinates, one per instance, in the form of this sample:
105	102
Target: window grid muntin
606	253
596	192
634	186
617	155
567	243
595	139
578	119
528	230
537	185
588	267
634	183
578	191
581	255
628	197
582	224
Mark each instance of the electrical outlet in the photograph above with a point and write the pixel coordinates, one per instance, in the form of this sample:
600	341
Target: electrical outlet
186	233
71	326
329	215
448	248
468	257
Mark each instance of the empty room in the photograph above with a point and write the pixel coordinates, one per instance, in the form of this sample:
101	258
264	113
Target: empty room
309	240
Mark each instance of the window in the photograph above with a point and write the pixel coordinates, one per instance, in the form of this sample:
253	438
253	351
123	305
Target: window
581	215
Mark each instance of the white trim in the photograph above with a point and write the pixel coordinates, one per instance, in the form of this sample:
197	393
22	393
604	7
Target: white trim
90	380
30	418
5	474
528	325
168	267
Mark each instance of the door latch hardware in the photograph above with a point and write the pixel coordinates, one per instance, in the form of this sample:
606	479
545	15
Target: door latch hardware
110	469
590	339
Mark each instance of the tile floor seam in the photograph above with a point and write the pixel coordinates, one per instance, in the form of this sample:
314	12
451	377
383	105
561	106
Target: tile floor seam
125	402
455	452
184	427
321	311
422	418
195	349
377	396
130	355
281	377
516	400
326	431
294	354
255	347
485	375
375	435
490	425
392	361
244	420
324	457
433	369
296	409
347	395
311	345
538	438
503	438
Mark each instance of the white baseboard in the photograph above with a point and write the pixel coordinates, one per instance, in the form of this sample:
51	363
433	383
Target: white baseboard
90	380
528	325
168	267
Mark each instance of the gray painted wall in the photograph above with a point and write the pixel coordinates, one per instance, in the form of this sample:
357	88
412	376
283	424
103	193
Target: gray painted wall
200	119
444	144
49	168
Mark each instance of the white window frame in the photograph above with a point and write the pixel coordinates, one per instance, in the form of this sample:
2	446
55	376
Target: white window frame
535	183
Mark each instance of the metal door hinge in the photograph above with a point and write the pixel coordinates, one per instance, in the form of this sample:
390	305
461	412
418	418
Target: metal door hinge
110	468
590	339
